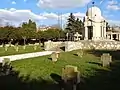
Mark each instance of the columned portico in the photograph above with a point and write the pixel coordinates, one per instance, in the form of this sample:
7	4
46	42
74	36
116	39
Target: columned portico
86	33
113	35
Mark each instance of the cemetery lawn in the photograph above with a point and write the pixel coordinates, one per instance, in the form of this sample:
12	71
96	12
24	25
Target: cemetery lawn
36	71
12	51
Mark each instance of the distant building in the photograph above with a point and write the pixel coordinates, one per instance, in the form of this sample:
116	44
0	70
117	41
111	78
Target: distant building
95	26
45	28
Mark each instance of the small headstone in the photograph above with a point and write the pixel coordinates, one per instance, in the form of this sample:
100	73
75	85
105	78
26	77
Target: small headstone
71	75
24	47
54	56
58	54
17	48
80	54
35	47
6	48
106	59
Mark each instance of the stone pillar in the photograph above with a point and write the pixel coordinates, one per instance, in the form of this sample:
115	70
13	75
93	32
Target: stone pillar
86	33
102	31
118	36
105	32
111	37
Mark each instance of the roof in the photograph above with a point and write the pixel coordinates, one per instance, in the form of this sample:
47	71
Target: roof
94	11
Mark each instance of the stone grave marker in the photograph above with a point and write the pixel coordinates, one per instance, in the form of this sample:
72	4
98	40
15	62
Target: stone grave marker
6	48
70	76
17	48
35	47
54	56
106	59
80	54
24	47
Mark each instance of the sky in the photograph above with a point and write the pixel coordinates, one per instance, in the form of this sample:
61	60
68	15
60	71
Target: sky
46	12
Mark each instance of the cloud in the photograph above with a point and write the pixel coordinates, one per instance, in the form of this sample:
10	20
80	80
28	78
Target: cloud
18	16
25	0
12	9
62	16
13	2
114	22
101	1
112	2
113	5
61	3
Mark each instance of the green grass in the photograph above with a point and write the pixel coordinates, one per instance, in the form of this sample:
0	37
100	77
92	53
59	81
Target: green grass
43	67
12	51
36	71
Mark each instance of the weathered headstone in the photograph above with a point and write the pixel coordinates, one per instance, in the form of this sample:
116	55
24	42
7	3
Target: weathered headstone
6	48
71	76
17	48
54	56
24	47
106	59
35	47
80	53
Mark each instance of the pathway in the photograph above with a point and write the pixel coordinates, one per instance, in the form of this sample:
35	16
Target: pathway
27	55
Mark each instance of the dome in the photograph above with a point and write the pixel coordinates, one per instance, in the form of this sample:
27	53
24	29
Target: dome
93	11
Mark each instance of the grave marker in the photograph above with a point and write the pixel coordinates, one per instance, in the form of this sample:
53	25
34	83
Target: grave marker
24	47
35	47
17	48
54	56
71	75
6	48
106	59
80	53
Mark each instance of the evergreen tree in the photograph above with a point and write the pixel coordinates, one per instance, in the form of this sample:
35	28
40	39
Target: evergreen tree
79	26
107	26
74	25
71	24
30	25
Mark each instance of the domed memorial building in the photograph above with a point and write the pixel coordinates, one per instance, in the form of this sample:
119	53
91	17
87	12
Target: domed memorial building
95	25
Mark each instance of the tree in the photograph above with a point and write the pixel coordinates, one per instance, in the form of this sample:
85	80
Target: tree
107	26
30	25
79	26
28	30
71	24
74	25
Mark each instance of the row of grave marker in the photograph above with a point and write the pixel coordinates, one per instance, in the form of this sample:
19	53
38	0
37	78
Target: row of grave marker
106	58
70	74
17	48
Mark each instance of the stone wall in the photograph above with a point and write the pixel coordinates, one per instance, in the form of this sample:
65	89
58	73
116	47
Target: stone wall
51	45
98	45
84	44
